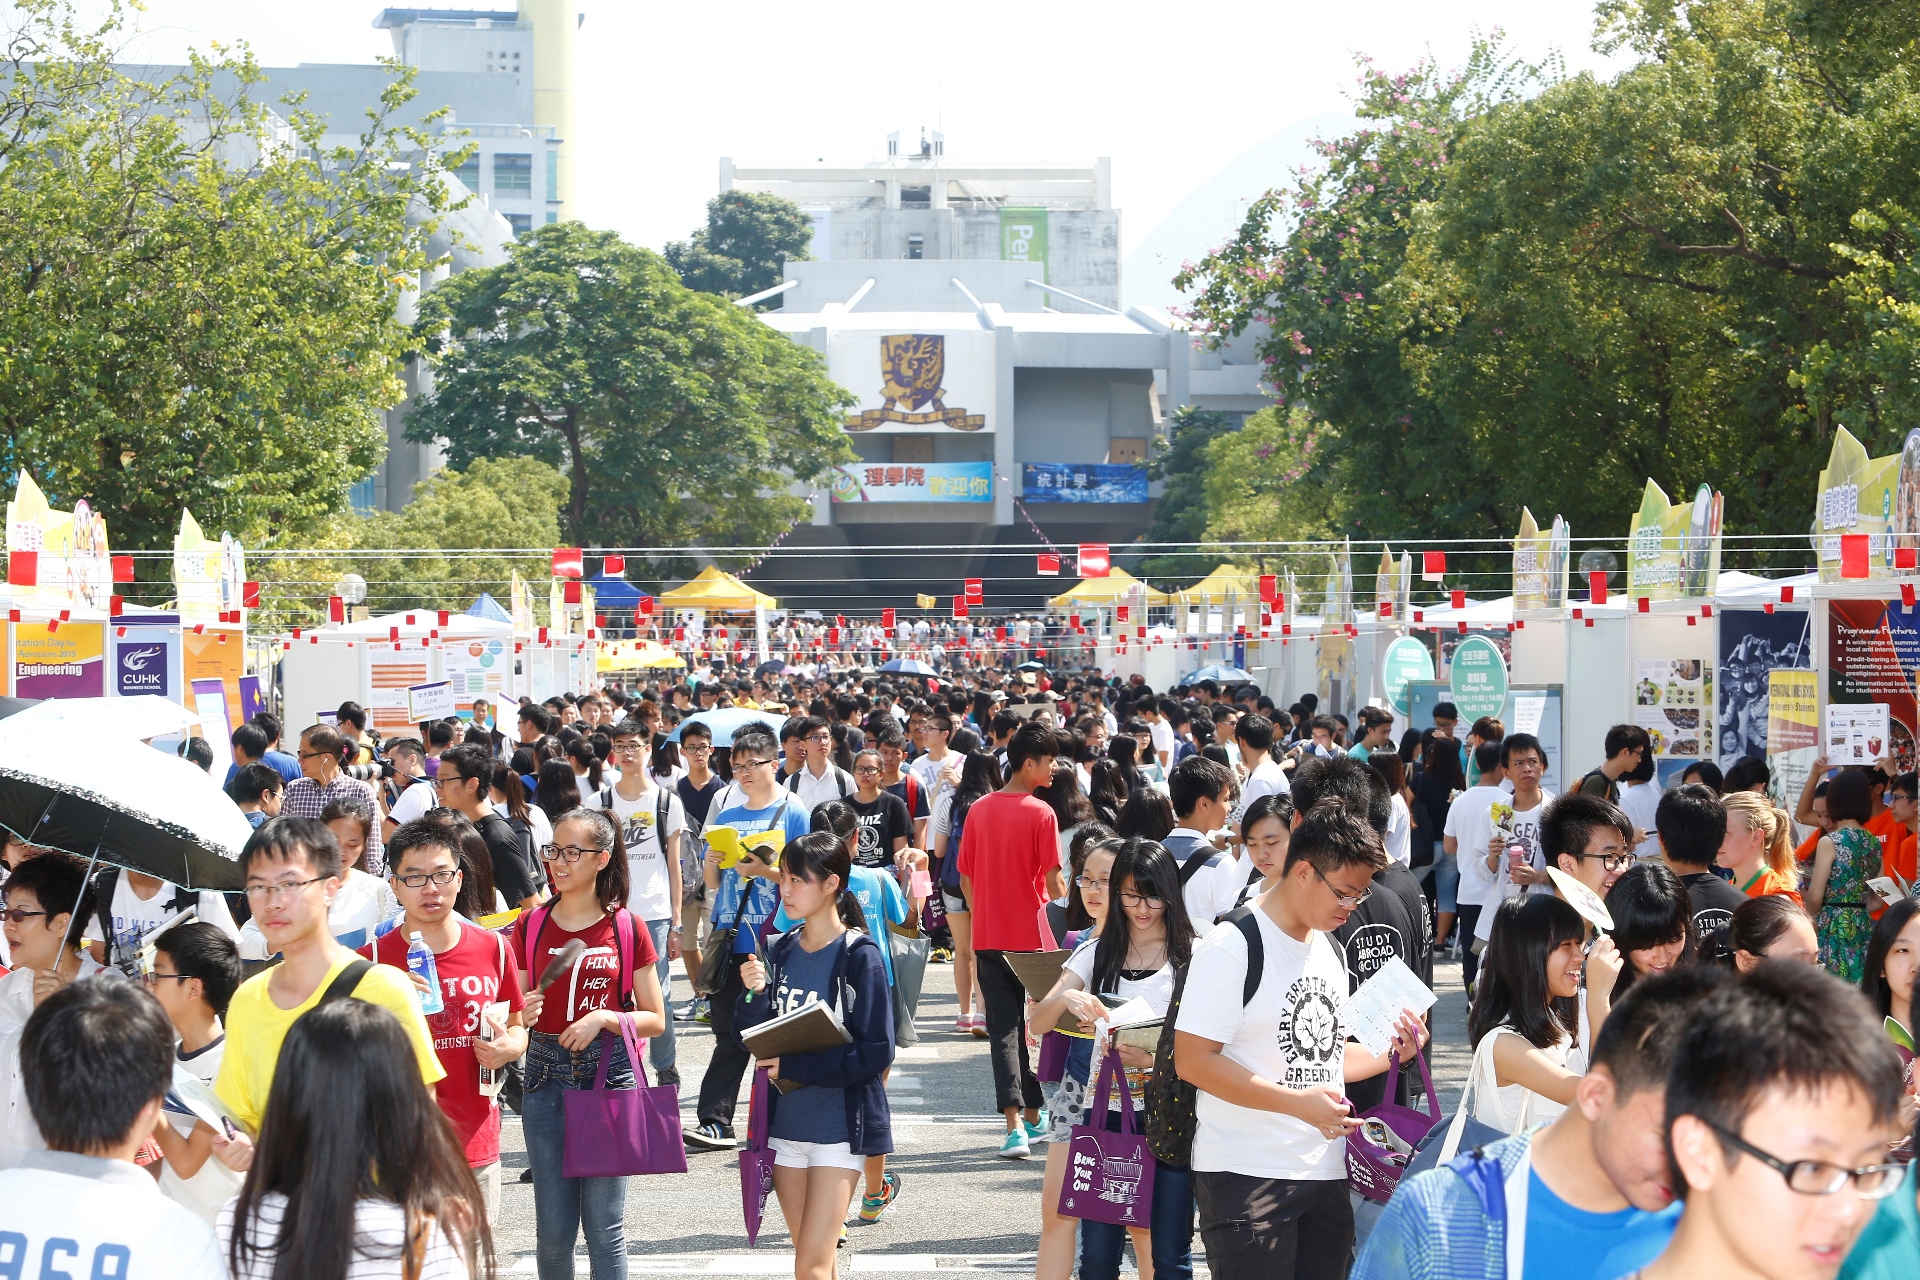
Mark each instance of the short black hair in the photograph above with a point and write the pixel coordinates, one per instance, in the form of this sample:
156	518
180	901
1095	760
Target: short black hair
1370	717
1274	804
200	950
324	739
1031	741
1487	757
252	739
269	724
1327	723
440	734
1445	711
1849	795
1626	737
632	727
351	713
253	781
1783	1026
754	736
1514	744
92	1055
695	729
1692	824
422	833
1637	1040
1572	819
1256	731
1746	771
1362	788
1333	835
1195	779
539	717
280	839
58	882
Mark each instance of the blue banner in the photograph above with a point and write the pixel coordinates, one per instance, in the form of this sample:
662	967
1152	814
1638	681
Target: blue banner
913	482
1083	482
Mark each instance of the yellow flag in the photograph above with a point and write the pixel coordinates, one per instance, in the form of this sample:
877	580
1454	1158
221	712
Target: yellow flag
926	602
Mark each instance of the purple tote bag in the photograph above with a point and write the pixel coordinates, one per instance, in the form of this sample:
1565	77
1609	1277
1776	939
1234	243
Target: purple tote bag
1374	1169
756	1158
612	1133
1109	1175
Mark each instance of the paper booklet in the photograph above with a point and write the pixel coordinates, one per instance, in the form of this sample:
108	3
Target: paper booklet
1038	971
1369	1013
808	1029
189	1096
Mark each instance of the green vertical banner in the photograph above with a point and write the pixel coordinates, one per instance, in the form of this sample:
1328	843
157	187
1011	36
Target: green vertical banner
1023	238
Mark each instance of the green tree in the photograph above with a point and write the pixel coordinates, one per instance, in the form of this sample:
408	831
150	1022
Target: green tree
676	416
1180	514
197	297
748	238
1261	484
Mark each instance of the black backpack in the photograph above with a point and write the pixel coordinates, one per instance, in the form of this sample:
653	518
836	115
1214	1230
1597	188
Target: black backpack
1170	1100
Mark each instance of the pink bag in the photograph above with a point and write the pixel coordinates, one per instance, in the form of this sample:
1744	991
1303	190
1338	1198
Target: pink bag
1374	1169
1109	1175
756	1157
612	1133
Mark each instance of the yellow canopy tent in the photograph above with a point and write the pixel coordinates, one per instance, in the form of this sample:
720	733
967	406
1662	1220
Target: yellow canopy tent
1227	580
1115	588
717	592
635	655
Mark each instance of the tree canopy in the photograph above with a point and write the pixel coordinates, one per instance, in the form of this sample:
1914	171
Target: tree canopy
676	416
196	296
1513	286
749	237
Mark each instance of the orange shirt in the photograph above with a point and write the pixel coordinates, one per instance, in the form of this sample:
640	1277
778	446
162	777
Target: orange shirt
1896	849
1769	883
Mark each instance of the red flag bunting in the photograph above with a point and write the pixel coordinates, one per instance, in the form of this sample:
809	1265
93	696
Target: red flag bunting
23	568
614	566
123	568
1853	555
566	562
1433	565
1093	561
1597	586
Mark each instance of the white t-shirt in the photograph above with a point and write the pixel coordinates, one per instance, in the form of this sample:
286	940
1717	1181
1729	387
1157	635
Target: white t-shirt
649	890
1470	823
1156	990
1400	832
18	1131
926	772
809	791
1640	801
1213	890
1501	1107
379	1230
1162	739
1526	830
1290	1034
108	1218
134	917
414	803
214	1184
1267	779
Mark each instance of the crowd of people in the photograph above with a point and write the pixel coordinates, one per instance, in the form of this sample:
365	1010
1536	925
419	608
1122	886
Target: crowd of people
1691	1038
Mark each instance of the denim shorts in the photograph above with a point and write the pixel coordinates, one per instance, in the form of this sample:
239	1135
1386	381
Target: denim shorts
547	1063
1445	870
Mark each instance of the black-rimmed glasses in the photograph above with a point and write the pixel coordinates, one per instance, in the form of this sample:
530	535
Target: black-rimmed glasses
1818	1177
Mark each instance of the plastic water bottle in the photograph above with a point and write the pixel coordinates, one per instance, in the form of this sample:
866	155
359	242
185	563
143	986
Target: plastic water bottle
420	961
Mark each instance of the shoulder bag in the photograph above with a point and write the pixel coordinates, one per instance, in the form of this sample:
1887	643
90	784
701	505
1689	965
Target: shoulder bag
1109	1176
612	1133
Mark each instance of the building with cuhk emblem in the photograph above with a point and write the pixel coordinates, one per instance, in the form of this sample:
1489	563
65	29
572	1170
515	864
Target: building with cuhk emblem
973	311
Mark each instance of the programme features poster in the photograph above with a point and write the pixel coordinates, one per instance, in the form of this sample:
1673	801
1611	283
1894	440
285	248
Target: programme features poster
1873	648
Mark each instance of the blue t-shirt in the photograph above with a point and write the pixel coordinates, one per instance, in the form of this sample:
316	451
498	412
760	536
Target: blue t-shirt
1565	1243
811	1113
880	899
278	761
762	896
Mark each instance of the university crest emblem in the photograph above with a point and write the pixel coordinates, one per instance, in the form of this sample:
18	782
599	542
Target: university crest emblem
912	366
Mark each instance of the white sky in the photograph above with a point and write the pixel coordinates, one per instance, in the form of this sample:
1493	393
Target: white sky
1171	92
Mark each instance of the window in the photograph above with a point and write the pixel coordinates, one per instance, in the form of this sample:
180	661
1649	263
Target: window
1127	449
553	216
520	222
916	197
469	172
553	175
362	496
513	175
916	247
913	449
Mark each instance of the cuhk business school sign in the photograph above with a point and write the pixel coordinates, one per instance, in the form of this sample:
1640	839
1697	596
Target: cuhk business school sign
146	660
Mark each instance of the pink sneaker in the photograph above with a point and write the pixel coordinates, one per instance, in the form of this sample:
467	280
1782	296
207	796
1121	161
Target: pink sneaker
980	1026
963	1023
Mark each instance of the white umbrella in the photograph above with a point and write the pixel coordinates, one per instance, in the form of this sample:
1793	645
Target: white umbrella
113	799
142	716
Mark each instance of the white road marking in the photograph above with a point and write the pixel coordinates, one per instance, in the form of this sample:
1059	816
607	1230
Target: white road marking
780	1262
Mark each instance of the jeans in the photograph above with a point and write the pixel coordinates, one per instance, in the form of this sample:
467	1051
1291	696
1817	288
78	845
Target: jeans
1469	917
565	1208
1445	871
1005	999
660	1051
720	1087
1170	1221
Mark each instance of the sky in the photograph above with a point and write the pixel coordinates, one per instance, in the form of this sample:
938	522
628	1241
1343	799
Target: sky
1175	94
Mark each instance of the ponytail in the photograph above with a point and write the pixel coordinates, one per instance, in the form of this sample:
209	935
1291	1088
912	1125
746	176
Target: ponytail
850	913
1759	814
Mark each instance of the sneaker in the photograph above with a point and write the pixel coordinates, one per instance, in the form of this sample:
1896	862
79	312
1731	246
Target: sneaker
704	1014
941	955
690	1011
872	1206
710	1137
841	1243
979	1026
1016	1147
963	1023
1039	1130
667	1076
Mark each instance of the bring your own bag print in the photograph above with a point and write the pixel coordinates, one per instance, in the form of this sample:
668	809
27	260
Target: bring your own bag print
1374	1168
612	1133
1109	1175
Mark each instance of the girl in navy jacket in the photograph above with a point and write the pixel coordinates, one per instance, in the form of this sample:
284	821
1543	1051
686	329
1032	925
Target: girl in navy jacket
823	1130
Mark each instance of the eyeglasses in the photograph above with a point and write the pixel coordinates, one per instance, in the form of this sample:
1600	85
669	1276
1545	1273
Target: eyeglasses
315	755
1089	885
1620	860
1344	899
566	853
278	892
864	769
1141	900
820	739
419	880
1817	1177
19	916
151	978
693	748
629	748
738	765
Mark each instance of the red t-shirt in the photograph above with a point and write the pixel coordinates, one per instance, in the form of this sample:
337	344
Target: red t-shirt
1007	846
594	981
477	971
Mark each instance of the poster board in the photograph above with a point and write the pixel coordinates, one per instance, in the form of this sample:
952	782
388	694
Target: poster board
216	654
1544	701
1872	653
147	660
389	675
210	702
1673	550
68	662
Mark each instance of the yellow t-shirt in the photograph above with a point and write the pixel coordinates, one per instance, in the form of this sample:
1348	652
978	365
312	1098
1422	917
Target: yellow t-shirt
256	1027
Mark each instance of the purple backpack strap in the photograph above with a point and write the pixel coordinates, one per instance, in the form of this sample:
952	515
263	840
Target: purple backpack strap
628	943
535	925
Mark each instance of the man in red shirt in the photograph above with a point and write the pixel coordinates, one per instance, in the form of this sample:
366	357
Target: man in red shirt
1009	871
479	985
